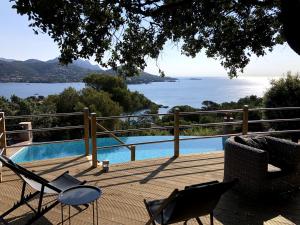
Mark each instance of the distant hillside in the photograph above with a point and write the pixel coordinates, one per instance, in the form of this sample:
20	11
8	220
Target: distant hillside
33	70
7	60
80	63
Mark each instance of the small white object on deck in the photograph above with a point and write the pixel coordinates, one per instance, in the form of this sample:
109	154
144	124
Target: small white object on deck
105	165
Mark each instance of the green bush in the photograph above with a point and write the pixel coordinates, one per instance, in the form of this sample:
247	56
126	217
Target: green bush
284	92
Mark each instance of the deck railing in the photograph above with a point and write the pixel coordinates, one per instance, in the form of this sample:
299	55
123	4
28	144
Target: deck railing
244	123
4	132
91	124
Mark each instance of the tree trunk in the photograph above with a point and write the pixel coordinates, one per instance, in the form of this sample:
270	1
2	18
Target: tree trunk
290	17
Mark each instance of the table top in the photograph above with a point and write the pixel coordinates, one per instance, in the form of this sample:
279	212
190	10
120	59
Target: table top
79	195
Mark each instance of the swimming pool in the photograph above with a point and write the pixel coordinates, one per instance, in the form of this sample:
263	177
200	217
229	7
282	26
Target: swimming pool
118	154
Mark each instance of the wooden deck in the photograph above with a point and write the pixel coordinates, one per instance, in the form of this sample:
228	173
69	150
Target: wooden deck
126	185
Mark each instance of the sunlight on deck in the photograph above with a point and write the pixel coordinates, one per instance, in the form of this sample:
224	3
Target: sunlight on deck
127	184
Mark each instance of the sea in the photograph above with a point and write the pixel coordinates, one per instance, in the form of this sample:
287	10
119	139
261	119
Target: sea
185	91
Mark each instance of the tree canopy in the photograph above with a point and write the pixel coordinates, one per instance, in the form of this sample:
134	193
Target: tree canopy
126	33
104	82
284	92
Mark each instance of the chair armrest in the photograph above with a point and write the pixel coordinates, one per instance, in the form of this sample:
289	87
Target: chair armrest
244	161
201	184
284	153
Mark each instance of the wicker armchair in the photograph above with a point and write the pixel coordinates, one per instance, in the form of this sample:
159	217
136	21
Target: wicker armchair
265	165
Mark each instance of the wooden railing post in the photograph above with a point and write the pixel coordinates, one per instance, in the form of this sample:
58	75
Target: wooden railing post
227	129
132	153
2	139
86	122
245	119
2	133
176	132
94	140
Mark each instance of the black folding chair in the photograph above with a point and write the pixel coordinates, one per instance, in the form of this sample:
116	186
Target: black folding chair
41	187
192	202
3	221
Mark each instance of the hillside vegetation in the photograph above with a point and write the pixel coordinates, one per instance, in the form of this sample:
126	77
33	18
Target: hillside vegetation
36	71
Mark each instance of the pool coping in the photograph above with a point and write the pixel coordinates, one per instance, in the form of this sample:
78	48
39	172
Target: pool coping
15	149
122	163
18	150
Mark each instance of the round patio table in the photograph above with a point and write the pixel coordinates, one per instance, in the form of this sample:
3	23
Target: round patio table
80	195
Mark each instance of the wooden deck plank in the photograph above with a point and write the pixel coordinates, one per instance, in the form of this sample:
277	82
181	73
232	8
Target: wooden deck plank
126	185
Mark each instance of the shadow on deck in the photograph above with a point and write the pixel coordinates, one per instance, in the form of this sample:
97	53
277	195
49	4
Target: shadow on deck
126	185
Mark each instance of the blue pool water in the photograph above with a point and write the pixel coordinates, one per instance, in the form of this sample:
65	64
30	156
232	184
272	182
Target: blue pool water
120	154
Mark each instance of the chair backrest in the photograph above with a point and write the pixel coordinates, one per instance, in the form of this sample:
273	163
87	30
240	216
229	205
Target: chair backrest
197	201
34	180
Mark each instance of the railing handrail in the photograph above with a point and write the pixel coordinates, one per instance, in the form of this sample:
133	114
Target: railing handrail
44	115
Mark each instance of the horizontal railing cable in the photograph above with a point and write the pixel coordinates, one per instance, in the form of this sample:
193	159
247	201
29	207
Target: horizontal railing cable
138	143
210	112
274	120
211	124
43	115
168	140
43	143
132	116
209	136
45	129
135	130
274	132
196	138
169	127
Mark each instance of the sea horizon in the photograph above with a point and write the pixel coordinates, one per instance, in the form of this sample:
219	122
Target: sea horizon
185	91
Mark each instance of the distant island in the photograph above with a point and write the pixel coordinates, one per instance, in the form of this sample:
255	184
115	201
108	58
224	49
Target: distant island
195	78
37	71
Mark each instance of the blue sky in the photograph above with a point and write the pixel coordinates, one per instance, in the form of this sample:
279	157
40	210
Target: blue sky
18	41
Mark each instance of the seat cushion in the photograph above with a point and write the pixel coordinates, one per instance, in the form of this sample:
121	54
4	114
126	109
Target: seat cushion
153	206
254	142
65	181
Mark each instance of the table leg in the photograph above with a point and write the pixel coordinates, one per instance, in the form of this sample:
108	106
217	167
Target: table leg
69	215
62	214
97	210
93	213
